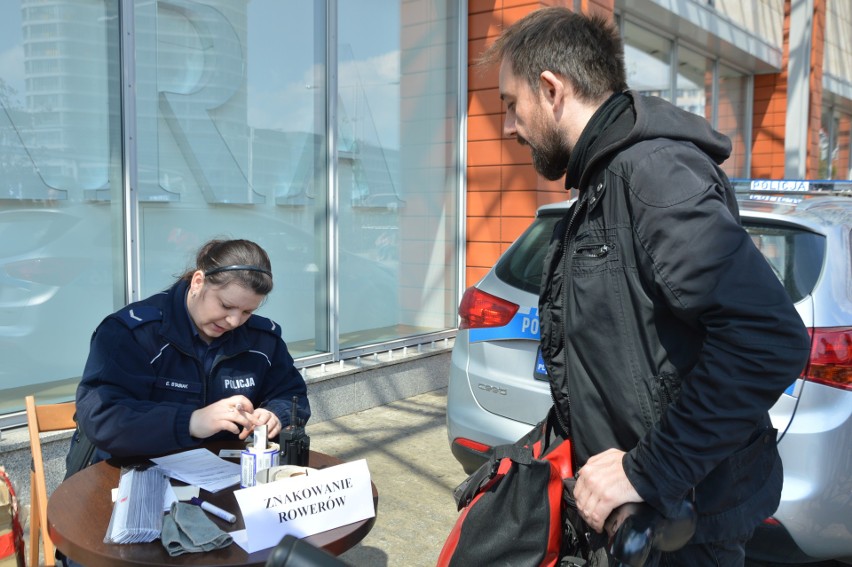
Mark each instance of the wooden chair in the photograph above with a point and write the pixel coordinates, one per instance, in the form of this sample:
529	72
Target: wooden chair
42	419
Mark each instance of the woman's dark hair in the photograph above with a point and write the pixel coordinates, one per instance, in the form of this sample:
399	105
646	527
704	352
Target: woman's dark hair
586	50
234	261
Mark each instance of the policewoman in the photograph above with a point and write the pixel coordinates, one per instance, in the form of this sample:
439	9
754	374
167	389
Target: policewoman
189	364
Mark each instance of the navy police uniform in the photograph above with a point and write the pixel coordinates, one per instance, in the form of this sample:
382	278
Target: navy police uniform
146	374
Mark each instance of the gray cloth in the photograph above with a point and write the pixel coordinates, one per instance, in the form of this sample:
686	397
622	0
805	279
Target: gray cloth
188	529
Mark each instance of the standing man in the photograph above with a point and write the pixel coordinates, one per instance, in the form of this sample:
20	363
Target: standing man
666	335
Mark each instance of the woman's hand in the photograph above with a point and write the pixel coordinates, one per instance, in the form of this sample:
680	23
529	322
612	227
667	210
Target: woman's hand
263	416
234	414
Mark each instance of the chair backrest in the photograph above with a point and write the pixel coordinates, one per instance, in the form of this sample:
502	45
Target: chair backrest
42	419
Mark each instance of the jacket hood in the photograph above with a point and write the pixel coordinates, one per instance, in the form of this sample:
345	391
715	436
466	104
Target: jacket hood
657	118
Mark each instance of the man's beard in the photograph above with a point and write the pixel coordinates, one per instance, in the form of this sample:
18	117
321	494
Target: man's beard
550	156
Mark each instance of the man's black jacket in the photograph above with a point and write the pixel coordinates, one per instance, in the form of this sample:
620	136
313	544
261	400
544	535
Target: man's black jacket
665	332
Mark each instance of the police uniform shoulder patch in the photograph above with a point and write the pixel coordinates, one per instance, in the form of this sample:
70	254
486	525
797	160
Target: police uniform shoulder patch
264	324
136	315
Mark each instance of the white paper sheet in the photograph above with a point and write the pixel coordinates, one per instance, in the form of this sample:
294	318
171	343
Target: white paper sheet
200	467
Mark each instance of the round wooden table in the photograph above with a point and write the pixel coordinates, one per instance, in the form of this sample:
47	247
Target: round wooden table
79	510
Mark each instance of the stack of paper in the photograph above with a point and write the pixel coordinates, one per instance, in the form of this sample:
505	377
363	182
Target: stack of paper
137	514
201	468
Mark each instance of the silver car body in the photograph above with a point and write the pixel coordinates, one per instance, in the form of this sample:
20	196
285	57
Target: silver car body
495	396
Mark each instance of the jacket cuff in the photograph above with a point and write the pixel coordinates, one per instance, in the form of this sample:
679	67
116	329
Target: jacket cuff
647	481
182	436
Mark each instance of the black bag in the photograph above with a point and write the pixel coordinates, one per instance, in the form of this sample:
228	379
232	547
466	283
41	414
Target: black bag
81	453
514	509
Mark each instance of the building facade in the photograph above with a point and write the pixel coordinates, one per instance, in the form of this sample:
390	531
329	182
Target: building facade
773	75
356	141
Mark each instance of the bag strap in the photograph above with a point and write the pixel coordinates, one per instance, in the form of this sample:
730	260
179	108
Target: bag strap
520	454
479	479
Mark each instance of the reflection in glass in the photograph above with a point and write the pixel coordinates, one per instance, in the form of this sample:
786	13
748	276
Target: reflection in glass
694	86
397	190
231	101
647	57
231	141
834	150
59	147
732	109
843	166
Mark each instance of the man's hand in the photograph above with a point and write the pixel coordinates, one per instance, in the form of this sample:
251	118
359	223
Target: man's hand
602	486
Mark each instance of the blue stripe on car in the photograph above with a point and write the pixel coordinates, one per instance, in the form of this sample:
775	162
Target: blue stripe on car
524	325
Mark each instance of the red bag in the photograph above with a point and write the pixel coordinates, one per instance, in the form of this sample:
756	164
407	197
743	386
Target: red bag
512	508
11	532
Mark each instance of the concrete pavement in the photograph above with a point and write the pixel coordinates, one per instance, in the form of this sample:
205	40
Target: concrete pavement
405	445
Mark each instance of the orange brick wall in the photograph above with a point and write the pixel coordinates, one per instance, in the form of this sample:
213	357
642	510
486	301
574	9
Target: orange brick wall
770	106
769	117
842	165
815	88
503	190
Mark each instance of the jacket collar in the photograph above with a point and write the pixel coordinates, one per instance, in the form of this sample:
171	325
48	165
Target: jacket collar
648	118
609	126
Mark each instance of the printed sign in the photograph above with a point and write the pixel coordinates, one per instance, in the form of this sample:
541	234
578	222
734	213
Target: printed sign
305	505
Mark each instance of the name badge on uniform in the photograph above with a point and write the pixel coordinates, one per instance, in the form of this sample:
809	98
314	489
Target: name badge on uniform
178	385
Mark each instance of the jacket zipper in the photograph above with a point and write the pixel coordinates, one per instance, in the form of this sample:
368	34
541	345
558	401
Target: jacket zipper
593	250
580	204
667	395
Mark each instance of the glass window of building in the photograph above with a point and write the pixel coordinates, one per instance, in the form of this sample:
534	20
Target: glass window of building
232	140
231	105
843	166
834	145
395	147
648	56
733	108
60	193
694	83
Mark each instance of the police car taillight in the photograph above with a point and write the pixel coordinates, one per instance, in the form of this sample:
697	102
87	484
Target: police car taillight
479	309
831	357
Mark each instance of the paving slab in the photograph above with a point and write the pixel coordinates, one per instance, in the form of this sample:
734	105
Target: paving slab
405	445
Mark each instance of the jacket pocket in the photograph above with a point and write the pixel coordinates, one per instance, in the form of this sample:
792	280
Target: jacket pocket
593	252
592	257
663	390
657	393
739	477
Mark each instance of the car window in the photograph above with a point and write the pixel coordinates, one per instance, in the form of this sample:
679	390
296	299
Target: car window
522	263
795	255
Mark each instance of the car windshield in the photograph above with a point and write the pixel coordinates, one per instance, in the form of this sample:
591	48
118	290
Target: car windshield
522	264
795	255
